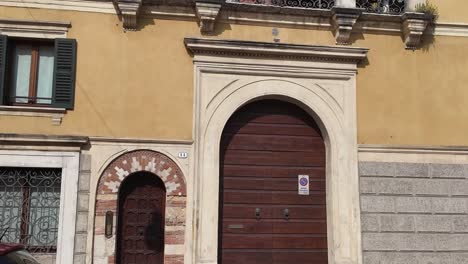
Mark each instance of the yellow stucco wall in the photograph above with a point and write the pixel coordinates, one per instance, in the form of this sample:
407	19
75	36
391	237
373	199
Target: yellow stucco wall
413	97
140	84
454	11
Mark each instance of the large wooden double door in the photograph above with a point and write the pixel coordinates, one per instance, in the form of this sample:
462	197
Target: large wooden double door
140	237
264	147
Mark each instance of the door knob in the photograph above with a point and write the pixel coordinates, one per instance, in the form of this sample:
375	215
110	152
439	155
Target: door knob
286	213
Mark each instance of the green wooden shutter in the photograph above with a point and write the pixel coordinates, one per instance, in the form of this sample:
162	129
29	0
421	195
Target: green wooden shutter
3	58
64	73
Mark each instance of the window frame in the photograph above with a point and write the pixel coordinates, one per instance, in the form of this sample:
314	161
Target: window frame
25	211
10	99
65	64
69	162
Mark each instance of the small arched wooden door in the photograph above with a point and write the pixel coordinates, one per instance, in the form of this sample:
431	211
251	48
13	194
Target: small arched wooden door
265	146
140	232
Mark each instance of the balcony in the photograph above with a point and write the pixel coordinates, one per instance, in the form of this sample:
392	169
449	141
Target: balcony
395	7
320	4
341	16
382	6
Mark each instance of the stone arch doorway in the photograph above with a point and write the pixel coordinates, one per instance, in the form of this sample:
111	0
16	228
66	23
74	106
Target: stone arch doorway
132	165
141	211
263	218
320	79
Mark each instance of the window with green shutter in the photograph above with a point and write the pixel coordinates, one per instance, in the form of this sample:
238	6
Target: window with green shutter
37	73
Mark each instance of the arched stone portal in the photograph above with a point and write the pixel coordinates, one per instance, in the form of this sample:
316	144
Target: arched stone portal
319	79
131	163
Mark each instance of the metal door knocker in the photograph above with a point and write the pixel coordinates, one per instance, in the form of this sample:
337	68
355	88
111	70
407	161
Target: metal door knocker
286	213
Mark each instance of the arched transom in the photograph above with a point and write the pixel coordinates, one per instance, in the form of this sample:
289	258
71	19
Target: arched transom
143	160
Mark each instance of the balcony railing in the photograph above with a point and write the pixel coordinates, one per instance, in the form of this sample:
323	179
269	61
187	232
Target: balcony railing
382	6
321	4
370	6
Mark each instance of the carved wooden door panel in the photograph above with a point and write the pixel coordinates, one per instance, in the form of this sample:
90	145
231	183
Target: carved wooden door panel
140	238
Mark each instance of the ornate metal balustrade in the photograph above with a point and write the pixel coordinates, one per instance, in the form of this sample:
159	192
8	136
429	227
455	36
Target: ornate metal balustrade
382	6
322	4
29	206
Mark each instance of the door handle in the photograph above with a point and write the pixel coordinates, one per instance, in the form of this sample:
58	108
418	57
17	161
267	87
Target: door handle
257	213
286	213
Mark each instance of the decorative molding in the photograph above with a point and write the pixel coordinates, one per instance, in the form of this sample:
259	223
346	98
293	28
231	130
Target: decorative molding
413	27
274	50
343	20
49	142
450	29
107	196
56	114
207	14
94	140
34	28
259	14
365	148
413	154
129	10
224	82
143	161
72	5
69	162
169	12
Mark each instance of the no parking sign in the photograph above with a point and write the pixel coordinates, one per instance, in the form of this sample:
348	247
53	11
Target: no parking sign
303	184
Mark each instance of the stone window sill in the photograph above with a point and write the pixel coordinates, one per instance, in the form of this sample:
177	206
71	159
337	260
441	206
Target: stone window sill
56	114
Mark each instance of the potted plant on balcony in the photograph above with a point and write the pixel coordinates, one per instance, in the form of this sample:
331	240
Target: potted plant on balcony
429	9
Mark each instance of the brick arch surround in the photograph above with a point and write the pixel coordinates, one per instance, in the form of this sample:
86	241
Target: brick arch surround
107	200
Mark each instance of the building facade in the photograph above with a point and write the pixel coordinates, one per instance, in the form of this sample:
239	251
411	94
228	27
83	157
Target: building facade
248	131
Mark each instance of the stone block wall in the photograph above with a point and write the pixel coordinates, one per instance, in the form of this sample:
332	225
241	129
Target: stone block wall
414	213
81	230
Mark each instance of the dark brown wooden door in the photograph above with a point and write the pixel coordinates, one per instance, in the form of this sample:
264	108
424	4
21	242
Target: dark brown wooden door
140	239
264	147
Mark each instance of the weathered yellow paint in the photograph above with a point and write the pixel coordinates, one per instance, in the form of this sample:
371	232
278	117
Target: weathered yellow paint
413	97
134	84
454	11
140	84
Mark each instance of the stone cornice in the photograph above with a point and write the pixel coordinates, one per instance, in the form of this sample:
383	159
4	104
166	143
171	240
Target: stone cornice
131	141
34	28
200	46
405	149
60	24
12	141
246	14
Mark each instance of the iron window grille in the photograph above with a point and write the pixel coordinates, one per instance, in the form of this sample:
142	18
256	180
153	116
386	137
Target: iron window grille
322	4
29	207
382	6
